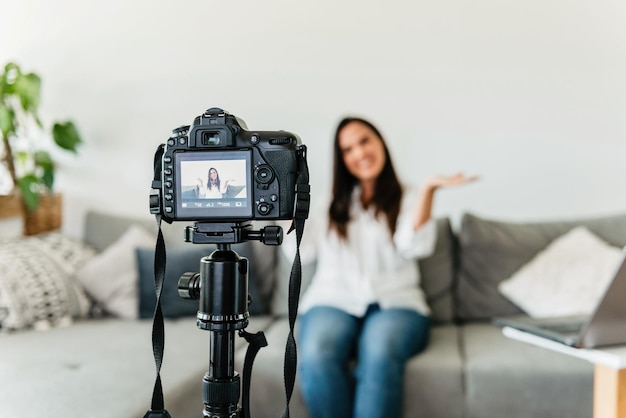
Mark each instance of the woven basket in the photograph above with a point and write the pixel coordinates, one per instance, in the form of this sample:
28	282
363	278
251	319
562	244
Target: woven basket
10	206
47	217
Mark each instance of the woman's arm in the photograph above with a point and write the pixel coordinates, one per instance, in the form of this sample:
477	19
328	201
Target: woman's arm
224	186
427	195
201	188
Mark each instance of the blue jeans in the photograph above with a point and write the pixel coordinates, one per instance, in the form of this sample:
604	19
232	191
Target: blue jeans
378	345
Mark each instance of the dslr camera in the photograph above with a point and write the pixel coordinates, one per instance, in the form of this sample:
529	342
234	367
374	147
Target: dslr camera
221	175
216	170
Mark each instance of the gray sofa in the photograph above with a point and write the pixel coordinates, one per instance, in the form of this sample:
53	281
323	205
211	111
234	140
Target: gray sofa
102	366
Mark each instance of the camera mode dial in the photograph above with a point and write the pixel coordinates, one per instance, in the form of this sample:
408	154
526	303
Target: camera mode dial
181	130
214	111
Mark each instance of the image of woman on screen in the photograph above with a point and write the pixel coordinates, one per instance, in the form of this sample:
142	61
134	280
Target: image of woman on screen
214	188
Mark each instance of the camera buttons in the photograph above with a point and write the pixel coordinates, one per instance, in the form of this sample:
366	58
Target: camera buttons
264	208
264	174
273	198
254	139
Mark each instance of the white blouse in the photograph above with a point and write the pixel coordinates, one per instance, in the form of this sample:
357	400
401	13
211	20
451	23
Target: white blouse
371	266
211	192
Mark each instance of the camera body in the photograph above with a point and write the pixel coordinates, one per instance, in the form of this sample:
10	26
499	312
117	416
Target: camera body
218	171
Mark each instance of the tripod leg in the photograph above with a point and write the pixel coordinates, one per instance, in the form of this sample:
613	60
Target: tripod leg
221	384
222	290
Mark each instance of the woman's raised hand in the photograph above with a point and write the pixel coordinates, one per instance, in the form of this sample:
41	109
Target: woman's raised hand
457	179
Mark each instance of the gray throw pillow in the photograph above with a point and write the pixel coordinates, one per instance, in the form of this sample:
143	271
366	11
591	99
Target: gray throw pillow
492	251
437	274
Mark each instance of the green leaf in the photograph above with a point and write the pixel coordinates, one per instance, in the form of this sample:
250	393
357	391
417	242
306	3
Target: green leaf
12	67
66	136
7	80
28	88
45	163
6	121
30	193
48	177
3	86
43	159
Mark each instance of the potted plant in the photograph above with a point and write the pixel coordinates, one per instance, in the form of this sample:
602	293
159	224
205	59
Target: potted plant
26	141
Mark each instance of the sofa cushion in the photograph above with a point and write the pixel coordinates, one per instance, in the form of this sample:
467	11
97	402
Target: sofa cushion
37	286
434	379
503	375
101	368
492	251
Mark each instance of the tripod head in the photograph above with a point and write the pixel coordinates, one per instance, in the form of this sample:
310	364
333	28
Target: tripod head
232	233
222	283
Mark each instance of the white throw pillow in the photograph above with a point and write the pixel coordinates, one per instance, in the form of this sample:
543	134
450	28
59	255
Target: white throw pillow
111	277
37	287
567	278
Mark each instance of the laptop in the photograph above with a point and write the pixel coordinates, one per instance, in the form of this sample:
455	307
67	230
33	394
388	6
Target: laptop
605	326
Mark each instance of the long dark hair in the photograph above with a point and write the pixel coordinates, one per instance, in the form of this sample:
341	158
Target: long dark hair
217	179
387	191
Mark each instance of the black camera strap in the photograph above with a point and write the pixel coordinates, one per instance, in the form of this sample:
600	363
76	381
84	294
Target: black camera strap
301	212
157	407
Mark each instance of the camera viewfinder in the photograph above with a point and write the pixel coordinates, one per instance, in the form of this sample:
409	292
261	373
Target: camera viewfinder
211	138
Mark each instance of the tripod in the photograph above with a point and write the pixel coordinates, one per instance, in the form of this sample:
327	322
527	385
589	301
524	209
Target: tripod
221	287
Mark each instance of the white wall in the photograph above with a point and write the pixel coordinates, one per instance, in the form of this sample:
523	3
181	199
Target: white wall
529	94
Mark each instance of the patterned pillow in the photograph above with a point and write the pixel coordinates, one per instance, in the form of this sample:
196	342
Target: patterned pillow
37	287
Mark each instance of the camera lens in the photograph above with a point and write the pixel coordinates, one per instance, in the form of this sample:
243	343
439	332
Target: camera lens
264	174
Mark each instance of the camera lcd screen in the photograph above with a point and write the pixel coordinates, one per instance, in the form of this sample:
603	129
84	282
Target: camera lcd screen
213	185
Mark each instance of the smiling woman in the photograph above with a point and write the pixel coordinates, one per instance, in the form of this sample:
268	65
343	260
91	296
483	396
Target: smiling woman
365	299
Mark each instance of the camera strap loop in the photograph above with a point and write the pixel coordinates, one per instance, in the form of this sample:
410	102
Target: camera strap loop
157	409
255	342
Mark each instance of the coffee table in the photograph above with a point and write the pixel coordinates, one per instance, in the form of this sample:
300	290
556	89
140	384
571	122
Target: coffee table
609	381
